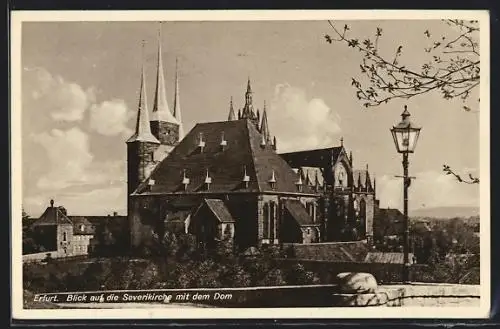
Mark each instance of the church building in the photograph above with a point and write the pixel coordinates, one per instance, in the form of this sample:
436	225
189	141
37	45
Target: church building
226	180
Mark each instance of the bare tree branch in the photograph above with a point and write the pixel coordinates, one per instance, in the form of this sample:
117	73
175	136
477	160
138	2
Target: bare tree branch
471	179
453	69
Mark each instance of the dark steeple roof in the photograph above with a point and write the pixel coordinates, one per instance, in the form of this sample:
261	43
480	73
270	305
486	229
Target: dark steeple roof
248	112
231	115
53	216
142	127
264	127
226	165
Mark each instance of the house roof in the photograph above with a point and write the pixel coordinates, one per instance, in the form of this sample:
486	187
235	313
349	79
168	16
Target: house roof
219	209
299	213
391	214
386	257
53	216
332	251
88	227
225	166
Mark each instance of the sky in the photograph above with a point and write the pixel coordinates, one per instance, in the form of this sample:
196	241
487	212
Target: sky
80	86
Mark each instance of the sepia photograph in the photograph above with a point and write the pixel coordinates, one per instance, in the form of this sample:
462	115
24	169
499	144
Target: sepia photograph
266	164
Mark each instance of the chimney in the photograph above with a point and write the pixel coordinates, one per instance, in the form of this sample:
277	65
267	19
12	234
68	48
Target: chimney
115	213
51	203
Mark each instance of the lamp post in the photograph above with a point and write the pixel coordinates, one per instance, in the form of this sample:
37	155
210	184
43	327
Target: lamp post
405	135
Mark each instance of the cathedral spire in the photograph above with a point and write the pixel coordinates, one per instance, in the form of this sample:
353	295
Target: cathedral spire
249	87
177	103
161	110
231	116
142	128
248	112
264	126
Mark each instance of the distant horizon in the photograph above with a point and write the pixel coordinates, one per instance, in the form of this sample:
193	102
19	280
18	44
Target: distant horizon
410	211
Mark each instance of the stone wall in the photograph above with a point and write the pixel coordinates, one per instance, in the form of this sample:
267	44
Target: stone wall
438	294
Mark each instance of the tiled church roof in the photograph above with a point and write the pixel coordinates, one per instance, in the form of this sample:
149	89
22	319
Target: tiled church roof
53	216
225	166
299	213
219	209
322	158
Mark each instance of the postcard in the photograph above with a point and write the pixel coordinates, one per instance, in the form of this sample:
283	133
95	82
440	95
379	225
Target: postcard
250	164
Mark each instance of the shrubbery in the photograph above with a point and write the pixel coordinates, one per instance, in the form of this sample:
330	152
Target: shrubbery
176	264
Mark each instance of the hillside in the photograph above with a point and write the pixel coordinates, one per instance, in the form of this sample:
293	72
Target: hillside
445	212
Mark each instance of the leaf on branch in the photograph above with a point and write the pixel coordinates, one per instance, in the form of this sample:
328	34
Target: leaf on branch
466	108
328	38
399	50
427	33
353	43
346	28
379	32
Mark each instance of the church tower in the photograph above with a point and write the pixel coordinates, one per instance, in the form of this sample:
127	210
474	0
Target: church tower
142	145
247	112
164	125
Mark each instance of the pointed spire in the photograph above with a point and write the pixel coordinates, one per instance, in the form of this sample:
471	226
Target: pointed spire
208	179
161	110
223	141
359	181
246	178
273	177
342	141
350	157
275	146
263	141
367	179
142	127
231	116
185	179
239	114
316	180
249	87
264	126
374	184
177	102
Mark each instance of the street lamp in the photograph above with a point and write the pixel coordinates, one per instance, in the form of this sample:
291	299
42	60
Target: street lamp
405	135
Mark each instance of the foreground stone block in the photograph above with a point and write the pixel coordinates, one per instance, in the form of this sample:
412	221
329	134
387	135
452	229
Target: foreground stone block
355	283
390	297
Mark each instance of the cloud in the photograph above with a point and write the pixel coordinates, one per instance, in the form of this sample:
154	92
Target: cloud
300	122
65	101
110	118
429	189
71	163
68	154
100	201
95	202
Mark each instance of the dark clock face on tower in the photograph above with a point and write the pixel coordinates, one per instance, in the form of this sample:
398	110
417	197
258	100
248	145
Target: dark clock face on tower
340	176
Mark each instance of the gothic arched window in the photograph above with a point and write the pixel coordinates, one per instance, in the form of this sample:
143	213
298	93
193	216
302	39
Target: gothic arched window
265	226
362	213
272	220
